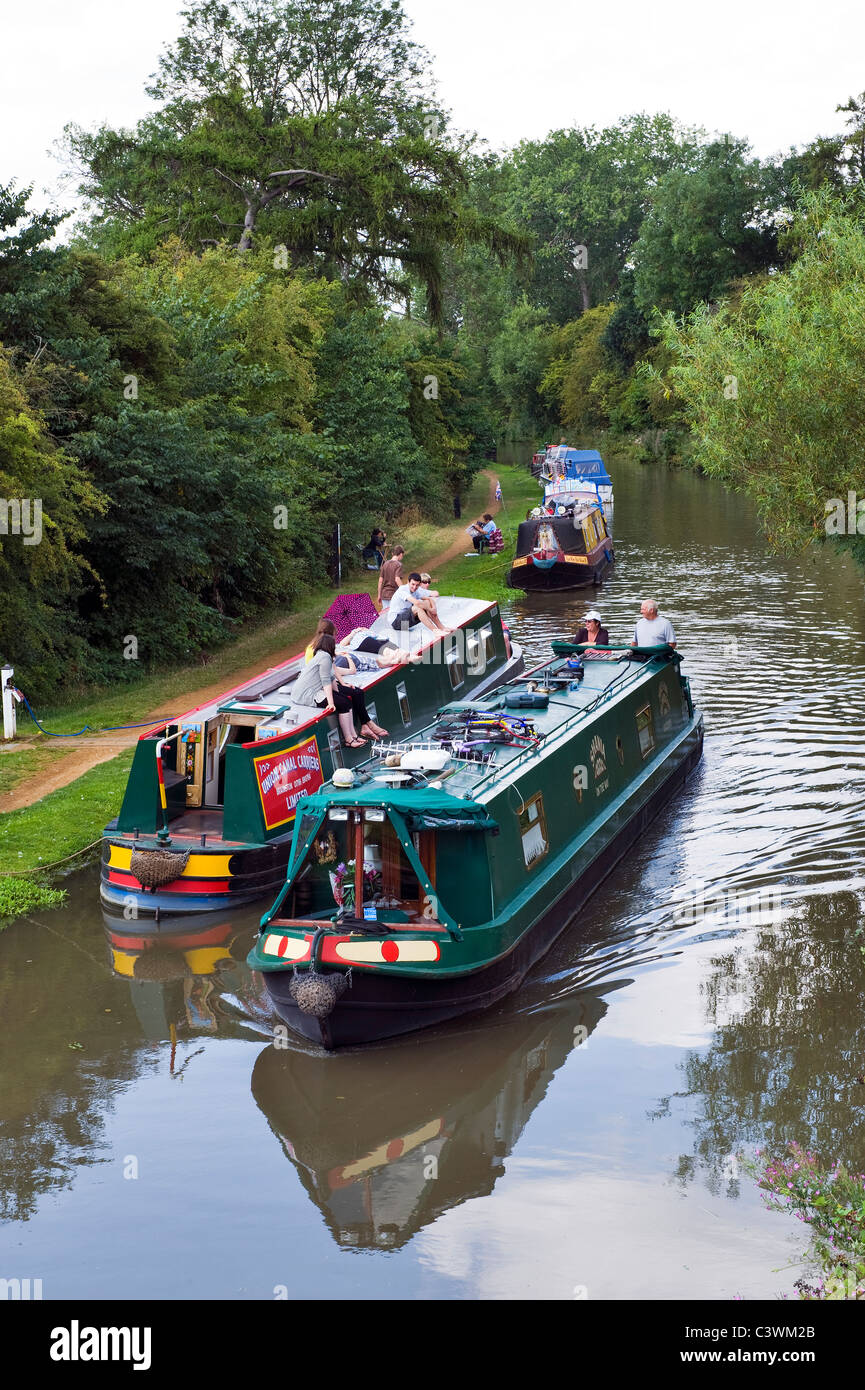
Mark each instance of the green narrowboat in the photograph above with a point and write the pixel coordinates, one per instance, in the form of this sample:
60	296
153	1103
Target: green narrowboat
425	883
208	812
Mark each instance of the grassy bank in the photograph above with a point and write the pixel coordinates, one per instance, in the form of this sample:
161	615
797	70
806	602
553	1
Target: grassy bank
483	576
63	823
55	830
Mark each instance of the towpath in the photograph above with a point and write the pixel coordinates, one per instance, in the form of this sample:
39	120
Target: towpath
94	749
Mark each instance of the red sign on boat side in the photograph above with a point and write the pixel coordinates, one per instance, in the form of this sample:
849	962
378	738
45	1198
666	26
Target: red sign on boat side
283	778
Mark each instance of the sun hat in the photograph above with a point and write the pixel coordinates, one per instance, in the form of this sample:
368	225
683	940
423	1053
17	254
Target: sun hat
592	615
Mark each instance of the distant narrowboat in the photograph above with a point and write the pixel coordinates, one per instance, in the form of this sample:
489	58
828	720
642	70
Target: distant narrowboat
208	812
570	475
430	885
568	550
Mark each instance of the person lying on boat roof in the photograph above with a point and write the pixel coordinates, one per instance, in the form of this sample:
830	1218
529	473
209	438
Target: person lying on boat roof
591	630
651	629
317	687
412	604
361	650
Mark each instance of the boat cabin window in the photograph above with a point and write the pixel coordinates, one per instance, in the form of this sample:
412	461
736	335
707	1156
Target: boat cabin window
645	730
486	636
391	890
456	672
334	743
533	830
473	649
404	707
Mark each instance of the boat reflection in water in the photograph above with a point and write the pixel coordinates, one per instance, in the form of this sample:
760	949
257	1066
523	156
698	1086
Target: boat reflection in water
385	1140
189	976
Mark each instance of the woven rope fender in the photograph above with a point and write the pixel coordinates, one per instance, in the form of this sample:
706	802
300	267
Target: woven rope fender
317	994
155	867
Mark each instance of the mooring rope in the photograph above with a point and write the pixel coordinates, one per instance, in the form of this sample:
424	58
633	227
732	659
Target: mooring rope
39	868
88	728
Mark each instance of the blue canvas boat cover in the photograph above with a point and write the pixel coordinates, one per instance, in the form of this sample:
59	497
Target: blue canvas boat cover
581	463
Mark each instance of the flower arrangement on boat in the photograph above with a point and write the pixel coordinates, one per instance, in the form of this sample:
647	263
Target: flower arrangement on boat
342	884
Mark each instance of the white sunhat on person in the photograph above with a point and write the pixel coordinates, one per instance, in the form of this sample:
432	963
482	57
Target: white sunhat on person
592	616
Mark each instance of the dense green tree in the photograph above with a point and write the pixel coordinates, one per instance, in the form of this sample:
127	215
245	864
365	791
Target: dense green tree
46	502
771	386
585	188
708	225
519	356
306	122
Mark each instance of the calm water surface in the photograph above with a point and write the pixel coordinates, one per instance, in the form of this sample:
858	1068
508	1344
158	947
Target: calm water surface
582	1137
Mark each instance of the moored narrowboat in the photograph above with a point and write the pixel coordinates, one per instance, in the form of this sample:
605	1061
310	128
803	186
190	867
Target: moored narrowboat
208	813
567	550
429	883
570	475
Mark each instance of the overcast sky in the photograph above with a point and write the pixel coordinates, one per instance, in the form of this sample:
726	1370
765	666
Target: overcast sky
771	71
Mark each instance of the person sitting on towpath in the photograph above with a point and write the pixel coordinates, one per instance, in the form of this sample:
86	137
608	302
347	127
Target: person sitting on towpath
412	604
652	630
481	531
591	630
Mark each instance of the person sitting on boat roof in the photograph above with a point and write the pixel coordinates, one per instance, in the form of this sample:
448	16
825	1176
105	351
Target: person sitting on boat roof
317	688
323	626
591	630
412	604
652	630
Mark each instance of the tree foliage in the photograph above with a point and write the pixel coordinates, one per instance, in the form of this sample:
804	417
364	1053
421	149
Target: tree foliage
771	386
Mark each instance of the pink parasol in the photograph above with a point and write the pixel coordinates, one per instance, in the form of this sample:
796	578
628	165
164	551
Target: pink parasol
350	611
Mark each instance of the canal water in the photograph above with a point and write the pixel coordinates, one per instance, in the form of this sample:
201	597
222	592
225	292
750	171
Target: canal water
585	1139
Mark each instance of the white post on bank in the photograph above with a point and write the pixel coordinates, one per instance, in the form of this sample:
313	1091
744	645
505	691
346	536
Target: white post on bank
9	701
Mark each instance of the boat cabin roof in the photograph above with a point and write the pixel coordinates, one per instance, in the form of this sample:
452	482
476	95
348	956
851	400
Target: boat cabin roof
468	766
579	463
268	696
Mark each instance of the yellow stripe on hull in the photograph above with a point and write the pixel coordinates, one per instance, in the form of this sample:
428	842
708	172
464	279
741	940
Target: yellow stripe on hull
198	865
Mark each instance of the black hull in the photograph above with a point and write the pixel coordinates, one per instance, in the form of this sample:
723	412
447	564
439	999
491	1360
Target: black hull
560	576
383	1006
